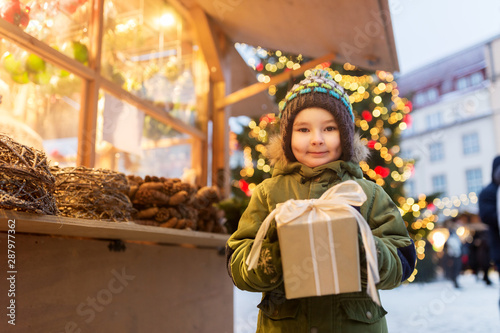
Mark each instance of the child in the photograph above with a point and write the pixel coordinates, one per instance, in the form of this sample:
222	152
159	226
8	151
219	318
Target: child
317	150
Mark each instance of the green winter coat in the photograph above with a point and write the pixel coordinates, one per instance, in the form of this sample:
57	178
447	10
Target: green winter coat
346	313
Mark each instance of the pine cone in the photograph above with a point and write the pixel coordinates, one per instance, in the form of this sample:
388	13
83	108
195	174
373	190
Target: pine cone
147	214
178	198
157	186
162	215
134	180
168	187
181	224
171	223
145	196
133	191
190	224
174	212
188	212
206	196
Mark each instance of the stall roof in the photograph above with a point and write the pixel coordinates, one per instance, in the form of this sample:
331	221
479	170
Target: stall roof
358	32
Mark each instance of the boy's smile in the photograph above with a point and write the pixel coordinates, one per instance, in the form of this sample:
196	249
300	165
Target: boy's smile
315	137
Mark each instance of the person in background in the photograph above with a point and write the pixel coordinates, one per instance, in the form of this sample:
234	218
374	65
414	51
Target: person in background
489	205
479	254
453	255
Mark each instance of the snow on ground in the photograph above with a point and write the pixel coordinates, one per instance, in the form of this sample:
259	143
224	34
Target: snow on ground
431	307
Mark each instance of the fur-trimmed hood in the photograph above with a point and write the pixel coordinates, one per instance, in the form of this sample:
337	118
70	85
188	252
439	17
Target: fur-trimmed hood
276	155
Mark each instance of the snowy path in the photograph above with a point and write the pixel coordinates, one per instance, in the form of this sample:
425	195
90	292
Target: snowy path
433	307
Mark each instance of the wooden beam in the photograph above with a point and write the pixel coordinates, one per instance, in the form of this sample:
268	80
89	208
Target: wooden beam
77	227
258	87
86	155
200	149
207	43
95	34
87	125
220	144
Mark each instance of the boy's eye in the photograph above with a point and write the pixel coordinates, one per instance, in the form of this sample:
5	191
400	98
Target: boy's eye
331	128
302	129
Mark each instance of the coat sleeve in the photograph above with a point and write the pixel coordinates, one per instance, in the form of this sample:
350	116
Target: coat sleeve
268	273
488	205
395	249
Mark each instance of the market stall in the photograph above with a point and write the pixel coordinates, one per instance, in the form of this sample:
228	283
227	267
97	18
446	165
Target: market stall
142	88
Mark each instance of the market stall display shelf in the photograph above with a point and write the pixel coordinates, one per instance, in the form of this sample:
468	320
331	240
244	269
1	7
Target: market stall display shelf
126	231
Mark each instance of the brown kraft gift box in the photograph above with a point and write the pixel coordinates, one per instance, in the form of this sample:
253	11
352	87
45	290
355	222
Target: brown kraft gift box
297	239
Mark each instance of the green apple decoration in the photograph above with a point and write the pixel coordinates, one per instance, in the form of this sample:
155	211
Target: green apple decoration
35	64
11	64
20	78
41	78
80	52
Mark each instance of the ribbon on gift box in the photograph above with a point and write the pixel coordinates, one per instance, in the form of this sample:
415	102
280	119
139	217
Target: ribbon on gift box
339	197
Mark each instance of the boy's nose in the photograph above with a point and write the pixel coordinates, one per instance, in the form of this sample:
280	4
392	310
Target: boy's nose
317	140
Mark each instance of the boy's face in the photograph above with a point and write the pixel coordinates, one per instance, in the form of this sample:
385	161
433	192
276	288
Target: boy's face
315	137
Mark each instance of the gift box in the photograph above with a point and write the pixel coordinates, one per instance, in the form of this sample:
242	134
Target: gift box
320	257
319	243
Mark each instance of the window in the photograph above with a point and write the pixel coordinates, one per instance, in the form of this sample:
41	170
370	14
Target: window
470	143
476	78
420	98
470	80
474	180
436	152
432	94
434	120
462	83
426	96
144	117
439	184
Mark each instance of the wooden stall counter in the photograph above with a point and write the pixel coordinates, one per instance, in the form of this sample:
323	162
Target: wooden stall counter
75	275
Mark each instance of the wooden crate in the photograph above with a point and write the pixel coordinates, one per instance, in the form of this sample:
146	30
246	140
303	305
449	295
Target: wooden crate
77	284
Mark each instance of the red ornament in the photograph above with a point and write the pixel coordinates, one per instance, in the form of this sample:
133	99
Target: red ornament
259	67
371	144
367	115
412	169
408	120
409	105
244	187
268	118
431	206
70	6
325	65
16	13
381	171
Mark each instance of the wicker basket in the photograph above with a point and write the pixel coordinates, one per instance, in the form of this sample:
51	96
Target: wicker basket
92	194
26	183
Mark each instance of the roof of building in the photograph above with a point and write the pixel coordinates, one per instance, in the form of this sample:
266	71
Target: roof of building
459	64
358	32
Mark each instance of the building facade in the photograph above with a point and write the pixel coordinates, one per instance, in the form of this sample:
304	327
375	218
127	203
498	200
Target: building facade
454	133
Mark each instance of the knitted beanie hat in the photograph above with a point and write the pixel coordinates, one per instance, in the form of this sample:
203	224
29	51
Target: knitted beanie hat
318	89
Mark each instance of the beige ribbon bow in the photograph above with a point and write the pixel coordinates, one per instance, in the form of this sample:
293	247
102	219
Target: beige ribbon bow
340	197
